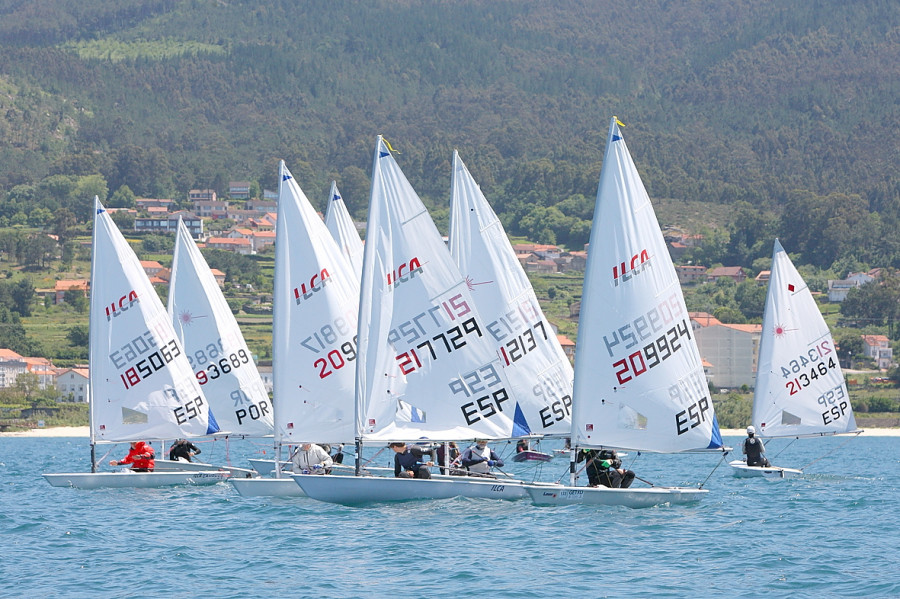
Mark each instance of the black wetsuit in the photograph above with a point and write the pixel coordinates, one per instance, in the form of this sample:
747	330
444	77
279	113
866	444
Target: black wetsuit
183	449
754	449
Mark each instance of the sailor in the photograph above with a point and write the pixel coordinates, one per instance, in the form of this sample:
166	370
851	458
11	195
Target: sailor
604	468
140	456
479	459
311	459
754	449
183	449
408	460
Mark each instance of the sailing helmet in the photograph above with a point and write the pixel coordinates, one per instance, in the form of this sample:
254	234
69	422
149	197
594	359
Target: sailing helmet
751	430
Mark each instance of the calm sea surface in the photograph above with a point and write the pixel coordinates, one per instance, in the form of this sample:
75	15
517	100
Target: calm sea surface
833	533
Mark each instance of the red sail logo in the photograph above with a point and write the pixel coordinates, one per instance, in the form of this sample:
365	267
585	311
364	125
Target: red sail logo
404	272
316	282
126	301
635	267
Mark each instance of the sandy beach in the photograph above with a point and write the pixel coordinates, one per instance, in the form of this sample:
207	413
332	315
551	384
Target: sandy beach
83	431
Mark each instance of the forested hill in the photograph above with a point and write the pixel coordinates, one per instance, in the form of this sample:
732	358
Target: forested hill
785	111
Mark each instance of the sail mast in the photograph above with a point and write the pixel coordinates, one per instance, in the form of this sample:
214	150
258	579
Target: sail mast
93	331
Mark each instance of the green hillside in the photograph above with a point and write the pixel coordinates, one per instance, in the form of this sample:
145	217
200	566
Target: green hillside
785	112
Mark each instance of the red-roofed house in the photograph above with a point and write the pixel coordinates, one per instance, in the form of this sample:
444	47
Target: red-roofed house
11	366
219	275
689	274
568	346
541	266
878	347
261	239
732	272
702	319
60	288
151	267
154	203
43	369
238	246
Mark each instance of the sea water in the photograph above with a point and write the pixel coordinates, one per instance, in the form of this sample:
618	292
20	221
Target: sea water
835	532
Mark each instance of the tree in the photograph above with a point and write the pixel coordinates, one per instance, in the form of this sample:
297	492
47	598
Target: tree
122	198
123	219
874	303
38	250
78	335
23	295
63	220
354	186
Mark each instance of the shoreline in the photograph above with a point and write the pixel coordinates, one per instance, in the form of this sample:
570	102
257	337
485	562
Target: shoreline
84	431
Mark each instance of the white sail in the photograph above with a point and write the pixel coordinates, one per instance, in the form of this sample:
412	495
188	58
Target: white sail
800	389
639	382
342	229
538	370
142	386
315	310
214	345
426	367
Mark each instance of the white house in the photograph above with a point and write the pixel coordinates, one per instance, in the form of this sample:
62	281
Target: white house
731	351
73	384
11	366
878	347
838	289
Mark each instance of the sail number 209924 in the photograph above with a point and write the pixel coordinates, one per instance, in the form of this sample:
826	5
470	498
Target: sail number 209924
652	354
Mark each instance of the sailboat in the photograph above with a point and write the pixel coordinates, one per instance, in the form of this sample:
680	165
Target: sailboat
427	369
339	223
530	353
639	382
216	351
142	386
314	336
800	389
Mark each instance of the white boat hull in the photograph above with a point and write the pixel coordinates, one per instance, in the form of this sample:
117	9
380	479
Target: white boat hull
267	487
741	470
353	490
267	467
129	479
185	466
634	498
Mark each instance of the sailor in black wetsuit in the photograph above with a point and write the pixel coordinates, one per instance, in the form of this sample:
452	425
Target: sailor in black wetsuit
754	449
184	449
605	468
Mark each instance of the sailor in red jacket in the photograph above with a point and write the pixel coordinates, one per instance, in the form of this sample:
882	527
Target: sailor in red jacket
140	457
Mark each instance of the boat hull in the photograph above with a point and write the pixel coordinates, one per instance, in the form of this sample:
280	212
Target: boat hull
267	487
185	466
267	467
140	480
633	498
741	470
355	490
537	456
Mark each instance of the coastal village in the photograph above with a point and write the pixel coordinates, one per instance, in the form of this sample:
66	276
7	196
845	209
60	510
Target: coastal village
729	351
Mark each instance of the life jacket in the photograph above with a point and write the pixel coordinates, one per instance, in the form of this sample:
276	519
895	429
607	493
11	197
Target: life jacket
752	447
140	463
481	467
